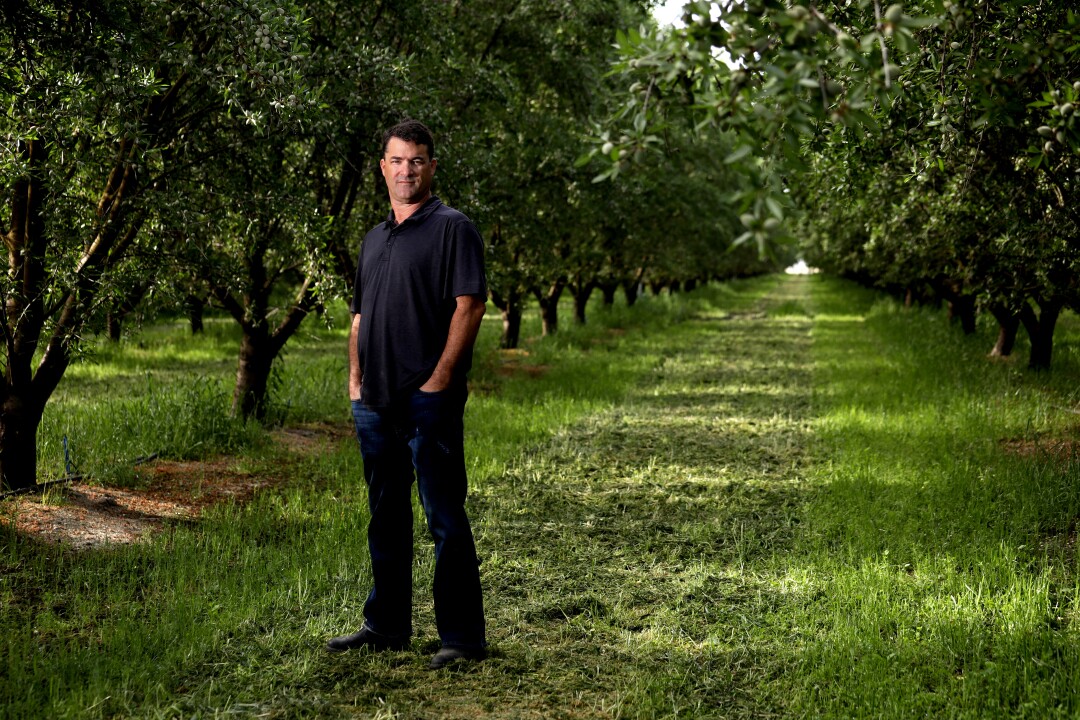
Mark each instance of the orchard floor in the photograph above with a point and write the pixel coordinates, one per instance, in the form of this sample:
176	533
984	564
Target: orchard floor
787	511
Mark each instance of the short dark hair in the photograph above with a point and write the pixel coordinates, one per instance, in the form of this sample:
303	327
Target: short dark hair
412	131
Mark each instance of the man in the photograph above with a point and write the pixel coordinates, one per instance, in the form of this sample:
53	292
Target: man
417	304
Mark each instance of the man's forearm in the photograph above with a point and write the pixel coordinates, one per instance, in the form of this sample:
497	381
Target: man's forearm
464	327
356	377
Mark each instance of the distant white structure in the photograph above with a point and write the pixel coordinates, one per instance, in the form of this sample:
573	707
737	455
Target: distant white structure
801	268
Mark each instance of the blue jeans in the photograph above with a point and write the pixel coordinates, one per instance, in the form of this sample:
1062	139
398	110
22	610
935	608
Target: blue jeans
420	438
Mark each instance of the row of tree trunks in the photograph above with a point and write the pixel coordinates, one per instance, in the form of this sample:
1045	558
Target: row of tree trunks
1039	327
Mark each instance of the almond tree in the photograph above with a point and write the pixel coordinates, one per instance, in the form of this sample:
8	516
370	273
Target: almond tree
281	214
105	102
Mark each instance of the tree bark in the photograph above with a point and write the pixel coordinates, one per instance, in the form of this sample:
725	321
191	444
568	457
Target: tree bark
962	310
632	288
581	301
114	320
511	323
1008	326
609	290
19	421
195	307
253	374
114	326
510	307
258	346
1040	330
23	319
549	307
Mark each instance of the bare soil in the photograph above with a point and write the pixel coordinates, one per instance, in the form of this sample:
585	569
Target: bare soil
86	516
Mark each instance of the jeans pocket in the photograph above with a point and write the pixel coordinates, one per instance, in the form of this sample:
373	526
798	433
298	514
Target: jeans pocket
358	411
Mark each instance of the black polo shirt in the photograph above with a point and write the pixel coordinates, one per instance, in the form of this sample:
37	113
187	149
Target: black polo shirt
408	279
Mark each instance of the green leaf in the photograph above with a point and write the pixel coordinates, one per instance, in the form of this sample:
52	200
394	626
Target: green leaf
774	207
584	159
740	152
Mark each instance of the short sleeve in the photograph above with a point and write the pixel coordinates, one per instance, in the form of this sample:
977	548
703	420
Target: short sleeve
468	276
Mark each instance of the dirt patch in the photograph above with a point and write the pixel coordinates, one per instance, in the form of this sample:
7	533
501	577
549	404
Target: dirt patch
312	436
515	361
86	516
1063	449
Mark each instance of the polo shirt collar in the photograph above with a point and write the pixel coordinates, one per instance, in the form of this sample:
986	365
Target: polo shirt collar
419	216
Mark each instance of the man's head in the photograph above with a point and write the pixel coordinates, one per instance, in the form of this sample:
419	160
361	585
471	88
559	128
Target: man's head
412	131
408	163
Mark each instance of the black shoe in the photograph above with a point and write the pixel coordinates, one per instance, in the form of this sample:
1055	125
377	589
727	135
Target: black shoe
366	637
453	653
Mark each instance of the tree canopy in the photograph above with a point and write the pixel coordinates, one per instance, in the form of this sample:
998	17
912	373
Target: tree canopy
930	148
226	151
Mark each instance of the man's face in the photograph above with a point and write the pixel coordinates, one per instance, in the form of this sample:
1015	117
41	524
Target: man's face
408	171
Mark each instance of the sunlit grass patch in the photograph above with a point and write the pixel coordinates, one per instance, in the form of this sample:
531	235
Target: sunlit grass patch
927	540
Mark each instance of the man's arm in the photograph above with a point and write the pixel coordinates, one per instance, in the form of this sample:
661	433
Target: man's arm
464	326
356	377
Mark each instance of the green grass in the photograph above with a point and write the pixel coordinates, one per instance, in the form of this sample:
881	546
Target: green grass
778	497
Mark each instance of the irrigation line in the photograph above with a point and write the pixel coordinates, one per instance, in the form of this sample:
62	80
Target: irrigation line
66	480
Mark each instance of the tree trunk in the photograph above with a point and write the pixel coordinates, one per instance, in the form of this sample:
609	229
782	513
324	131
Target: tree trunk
1008	325
581	300
510	307
258	346
609	290
962	309
1040	330
632	290
195	307
253	374
690	285
22	316
114	325
19	421
114	320
511	322
549	307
